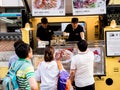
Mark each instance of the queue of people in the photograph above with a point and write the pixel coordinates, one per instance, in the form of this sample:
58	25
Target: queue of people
47	73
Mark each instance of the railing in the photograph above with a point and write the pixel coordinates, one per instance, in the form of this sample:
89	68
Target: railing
10	36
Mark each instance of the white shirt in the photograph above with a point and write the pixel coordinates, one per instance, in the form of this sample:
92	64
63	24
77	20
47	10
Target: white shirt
47	73
83	64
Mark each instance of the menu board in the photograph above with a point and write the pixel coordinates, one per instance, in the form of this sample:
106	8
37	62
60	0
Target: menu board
86	7
48	7
112	43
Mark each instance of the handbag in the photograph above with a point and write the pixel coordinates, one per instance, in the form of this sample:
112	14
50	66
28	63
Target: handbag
64	82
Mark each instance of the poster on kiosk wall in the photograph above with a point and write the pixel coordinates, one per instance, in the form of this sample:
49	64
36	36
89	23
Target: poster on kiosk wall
48	7
88	7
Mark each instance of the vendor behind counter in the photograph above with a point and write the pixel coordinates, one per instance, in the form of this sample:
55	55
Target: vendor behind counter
44	31
76	31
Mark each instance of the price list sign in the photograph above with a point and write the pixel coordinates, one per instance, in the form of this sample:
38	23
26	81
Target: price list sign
112	43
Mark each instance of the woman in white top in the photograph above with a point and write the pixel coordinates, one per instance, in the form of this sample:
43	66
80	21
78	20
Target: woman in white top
47	72
82	67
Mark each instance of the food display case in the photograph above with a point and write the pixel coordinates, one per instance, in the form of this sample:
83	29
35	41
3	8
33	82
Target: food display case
98	49
70	49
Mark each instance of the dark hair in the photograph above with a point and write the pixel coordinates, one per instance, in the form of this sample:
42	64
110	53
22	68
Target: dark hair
82	45
74	20
44	20
49	53
18	42
22	50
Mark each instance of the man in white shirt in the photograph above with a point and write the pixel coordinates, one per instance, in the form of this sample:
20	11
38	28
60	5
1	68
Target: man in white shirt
81	70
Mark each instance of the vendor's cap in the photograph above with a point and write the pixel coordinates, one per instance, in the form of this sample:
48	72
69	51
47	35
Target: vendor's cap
74	20
44	20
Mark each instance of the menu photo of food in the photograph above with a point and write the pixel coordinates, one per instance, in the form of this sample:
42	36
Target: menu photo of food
48	4
88	3
81	7
47	7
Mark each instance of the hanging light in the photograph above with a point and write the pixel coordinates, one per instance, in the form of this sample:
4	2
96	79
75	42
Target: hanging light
27	27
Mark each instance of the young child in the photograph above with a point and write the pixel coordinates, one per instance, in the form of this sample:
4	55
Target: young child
25	75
